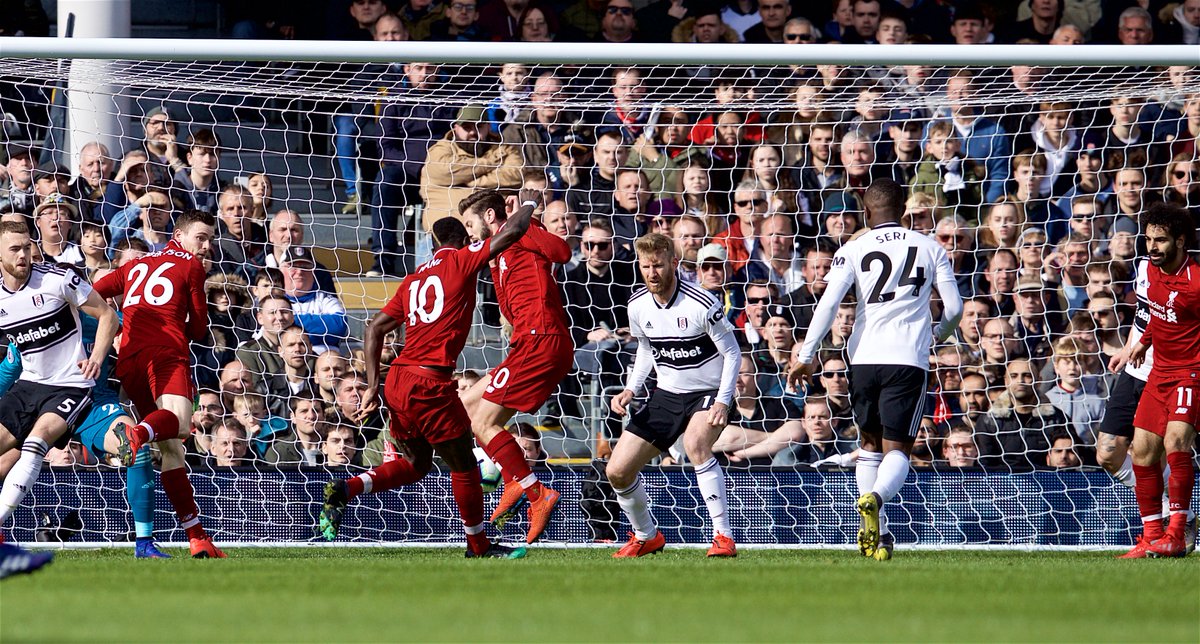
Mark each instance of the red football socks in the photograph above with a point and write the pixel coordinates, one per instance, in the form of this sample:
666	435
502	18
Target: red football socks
468	496
386	476
179	492
504	450
1148	488
161	422
1179	488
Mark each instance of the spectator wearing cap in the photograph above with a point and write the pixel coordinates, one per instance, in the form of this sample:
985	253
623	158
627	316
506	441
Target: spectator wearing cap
984	140
149	218
818	259
239	238
546	134
596	296
321	315
712	268
460	22
470	157
1034	321
56	219
95	173
408	126
17	189
196	185
902	148
774	354
287	229
159	141
50	179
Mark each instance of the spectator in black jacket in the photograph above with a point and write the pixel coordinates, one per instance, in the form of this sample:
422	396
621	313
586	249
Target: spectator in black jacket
596	297
1016	434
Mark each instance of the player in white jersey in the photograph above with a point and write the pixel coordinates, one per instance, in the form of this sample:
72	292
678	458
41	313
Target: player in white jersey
893	271
39	312
683	334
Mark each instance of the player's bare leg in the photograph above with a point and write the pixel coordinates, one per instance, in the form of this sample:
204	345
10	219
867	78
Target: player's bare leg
880	472
698	440
487	425
1147	470
412	466
629	456
1178	444
20	479
1112	454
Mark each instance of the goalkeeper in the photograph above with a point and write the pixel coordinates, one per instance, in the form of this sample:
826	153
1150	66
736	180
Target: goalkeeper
93	432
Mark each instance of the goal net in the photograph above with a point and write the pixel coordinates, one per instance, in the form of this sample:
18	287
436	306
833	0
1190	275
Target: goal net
1032	177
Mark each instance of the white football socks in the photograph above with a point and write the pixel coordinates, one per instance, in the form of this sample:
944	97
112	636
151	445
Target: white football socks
21	477
892	472
635	503
711	480
866	470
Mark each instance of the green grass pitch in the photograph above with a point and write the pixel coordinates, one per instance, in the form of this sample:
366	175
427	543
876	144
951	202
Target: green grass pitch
329	594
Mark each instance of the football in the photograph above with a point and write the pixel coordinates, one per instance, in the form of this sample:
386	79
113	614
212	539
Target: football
489	472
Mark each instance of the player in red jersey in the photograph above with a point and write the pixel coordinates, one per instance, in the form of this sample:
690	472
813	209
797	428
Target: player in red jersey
1170	406
164	309
435	303
539	355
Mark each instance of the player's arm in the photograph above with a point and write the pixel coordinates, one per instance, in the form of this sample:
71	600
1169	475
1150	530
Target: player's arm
197	322
721	333
10	368
947	288
547	244
643	361
518	222
373	338
111	285
838	283
106	329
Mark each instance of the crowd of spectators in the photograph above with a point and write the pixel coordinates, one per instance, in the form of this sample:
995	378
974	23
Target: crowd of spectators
1036	201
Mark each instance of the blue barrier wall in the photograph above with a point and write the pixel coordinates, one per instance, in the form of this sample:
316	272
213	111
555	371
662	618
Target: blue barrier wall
767	507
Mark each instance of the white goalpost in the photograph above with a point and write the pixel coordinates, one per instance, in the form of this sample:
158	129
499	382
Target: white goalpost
343	132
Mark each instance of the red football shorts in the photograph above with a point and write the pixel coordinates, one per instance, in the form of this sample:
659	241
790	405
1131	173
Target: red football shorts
1168	398
152	372
424	405
534	366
